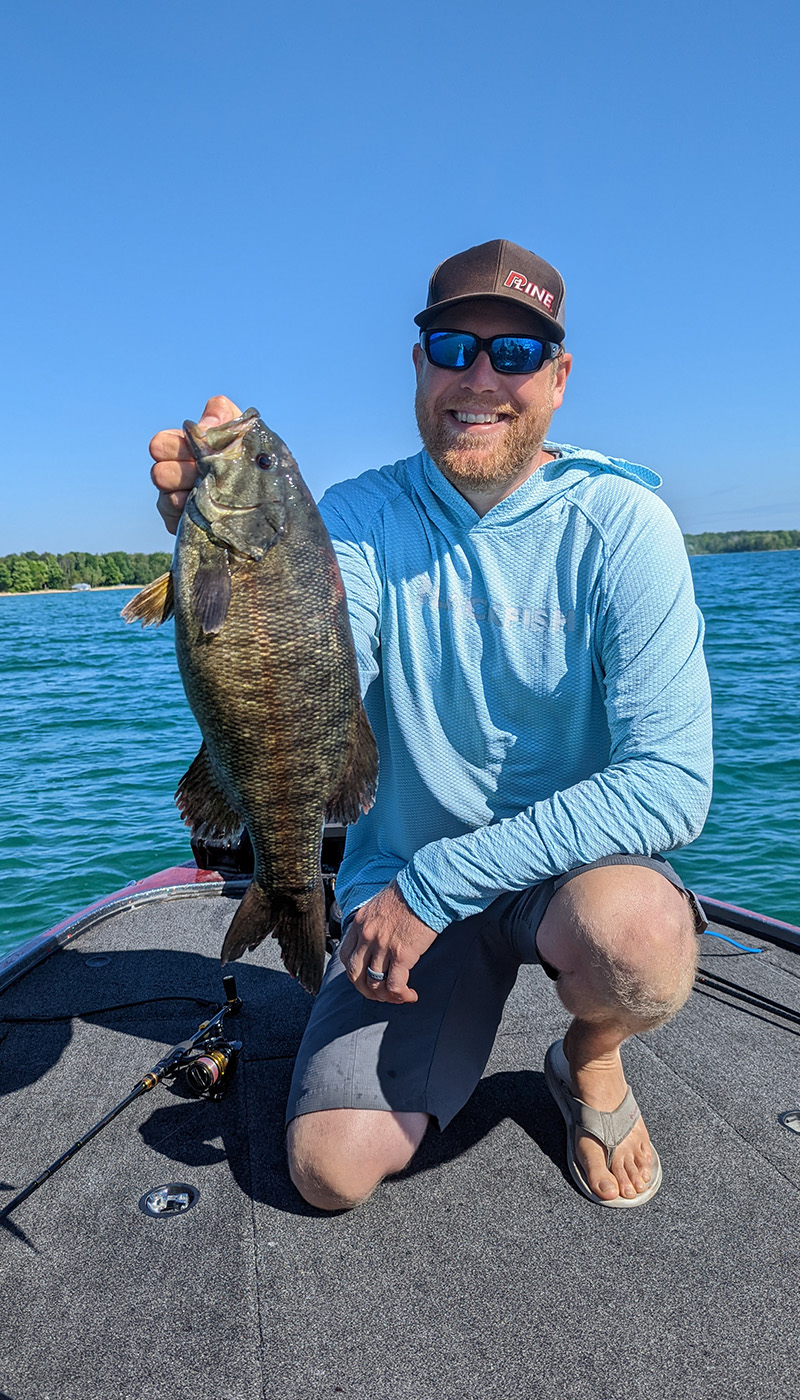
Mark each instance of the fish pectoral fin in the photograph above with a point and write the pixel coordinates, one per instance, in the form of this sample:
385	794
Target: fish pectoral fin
154	605
211	593
356	791
296	921
202	803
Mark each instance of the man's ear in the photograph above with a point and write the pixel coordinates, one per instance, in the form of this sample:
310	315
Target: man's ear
563	367
416	354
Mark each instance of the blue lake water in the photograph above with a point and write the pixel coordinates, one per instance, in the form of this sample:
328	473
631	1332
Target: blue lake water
96	733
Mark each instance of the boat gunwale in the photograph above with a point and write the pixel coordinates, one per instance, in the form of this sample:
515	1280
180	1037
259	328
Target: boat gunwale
748	921
190	880
175	882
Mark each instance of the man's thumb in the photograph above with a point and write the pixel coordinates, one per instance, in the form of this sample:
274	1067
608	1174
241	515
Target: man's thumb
219	409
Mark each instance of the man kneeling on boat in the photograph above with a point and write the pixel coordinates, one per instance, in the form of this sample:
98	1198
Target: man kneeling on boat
531	660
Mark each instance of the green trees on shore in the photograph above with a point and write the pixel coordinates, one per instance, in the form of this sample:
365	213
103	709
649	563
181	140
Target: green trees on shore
741	541
24	573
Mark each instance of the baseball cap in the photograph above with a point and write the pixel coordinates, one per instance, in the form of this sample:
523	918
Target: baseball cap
501	270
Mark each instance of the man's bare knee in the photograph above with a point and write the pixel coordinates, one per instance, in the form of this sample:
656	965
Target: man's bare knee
338	1156
623	939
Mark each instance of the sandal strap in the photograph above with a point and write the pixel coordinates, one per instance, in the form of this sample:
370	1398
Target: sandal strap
609	1128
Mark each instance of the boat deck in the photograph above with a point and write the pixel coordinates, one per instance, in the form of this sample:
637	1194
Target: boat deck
480	1272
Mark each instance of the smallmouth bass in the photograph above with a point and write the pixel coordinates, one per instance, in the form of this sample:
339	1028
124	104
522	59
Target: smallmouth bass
267	661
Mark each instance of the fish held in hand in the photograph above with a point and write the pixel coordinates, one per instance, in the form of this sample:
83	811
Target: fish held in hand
268	664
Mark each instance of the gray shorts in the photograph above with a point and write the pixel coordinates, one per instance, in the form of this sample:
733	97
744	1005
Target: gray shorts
427	1056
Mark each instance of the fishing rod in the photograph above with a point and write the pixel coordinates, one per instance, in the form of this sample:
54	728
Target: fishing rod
207	1061
716	983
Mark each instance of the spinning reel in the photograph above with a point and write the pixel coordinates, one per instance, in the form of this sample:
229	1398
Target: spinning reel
209	1069
206	1060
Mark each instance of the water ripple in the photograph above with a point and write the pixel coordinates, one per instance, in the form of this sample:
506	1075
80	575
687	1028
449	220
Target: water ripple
97	734
747	853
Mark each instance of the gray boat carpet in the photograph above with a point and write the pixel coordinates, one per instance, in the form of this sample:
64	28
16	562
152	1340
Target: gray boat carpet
480	1272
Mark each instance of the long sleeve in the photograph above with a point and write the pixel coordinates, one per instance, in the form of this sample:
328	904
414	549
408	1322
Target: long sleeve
362	586
653	794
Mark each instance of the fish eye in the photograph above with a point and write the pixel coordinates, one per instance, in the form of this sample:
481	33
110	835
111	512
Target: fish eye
267	461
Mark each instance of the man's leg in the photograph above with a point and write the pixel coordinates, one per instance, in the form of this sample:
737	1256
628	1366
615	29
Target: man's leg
369	1075
338	1156
622	939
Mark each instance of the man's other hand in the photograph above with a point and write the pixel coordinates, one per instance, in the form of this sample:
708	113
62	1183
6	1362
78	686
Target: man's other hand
174	471
388	937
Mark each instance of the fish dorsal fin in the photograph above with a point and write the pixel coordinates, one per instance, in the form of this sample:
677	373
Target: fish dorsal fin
202	803
211	593
154	605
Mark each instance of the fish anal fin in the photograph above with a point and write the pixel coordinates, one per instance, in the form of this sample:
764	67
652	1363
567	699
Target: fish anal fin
202	803
154	605
356	791
297	921
211	593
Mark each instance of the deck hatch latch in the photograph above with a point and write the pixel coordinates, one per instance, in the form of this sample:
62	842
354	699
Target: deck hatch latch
165	1202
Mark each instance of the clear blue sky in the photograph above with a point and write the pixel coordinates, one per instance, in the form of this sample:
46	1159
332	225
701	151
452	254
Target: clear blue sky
249	198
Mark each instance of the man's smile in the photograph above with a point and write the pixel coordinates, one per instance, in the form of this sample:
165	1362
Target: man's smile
476	417
477	422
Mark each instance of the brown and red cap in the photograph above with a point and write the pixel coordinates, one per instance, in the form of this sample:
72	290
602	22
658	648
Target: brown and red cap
503	271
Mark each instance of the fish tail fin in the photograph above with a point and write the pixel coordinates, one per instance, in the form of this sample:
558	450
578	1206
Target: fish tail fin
250	924
154	605
356	791
297	922
300	929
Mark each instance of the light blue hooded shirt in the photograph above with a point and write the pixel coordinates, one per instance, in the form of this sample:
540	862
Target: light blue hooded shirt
534	677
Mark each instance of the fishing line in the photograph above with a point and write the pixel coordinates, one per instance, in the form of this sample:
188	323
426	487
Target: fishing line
101	1011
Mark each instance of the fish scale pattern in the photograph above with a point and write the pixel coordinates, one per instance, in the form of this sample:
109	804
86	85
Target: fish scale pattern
265	652
534	677
291	704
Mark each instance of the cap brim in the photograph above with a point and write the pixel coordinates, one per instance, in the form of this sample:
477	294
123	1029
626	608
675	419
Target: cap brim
546	325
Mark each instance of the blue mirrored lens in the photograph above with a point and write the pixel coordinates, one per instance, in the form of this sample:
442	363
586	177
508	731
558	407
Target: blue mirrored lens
509	354
451	349
516	354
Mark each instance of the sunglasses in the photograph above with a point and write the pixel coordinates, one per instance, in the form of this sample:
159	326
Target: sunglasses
508	354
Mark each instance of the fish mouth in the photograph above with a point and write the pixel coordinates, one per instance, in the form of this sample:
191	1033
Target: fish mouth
229	510
205	442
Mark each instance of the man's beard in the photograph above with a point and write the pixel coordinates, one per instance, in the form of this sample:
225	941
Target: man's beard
476	466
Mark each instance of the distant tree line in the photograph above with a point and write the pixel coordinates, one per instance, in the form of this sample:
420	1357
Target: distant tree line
741	541
23	573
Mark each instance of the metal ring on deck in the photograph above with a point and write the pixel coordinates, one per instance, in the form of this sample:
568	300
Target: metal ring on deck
375	976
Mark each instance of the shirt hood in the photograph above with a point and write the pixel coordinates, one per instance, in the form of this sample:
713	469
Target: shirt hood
571	466
581	457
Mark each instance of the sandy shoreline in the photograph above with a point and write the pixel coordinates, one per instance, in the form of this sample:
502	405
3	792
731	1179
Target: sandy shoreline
103	588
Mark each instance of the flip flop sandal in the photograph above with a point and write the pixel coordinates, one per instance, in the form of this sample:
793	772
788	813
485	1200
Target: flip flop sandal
609	1128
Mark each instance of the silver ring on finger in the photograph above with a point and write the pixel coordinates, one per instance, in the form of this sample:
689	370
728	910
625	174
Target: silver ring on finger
375	976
